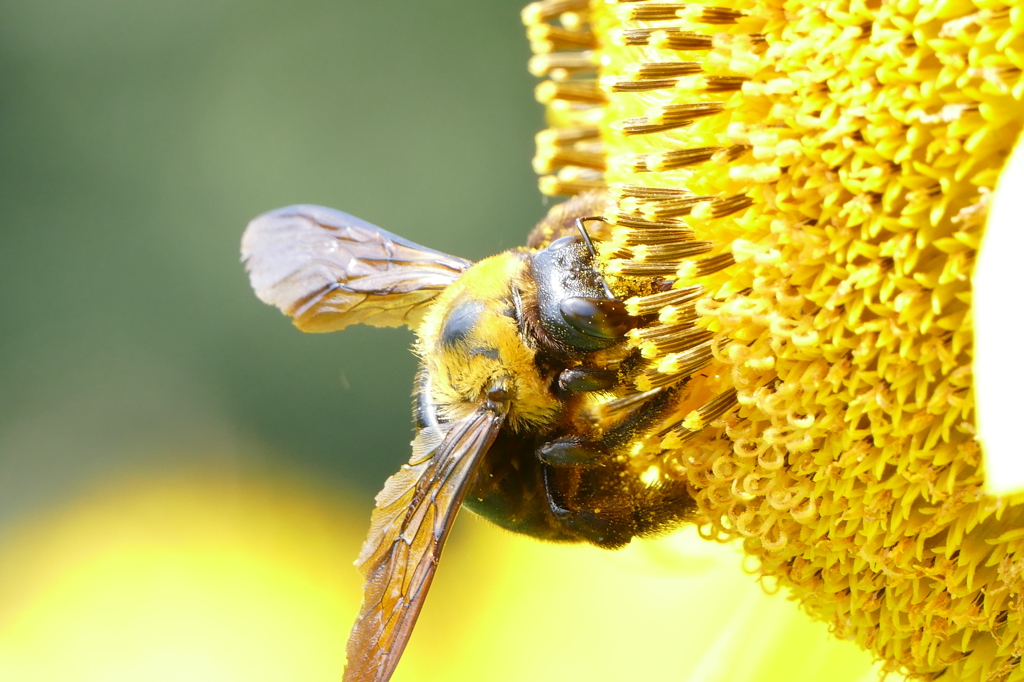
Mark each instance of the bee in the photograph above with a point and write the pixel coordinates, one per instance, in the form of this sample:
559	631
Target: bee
523	406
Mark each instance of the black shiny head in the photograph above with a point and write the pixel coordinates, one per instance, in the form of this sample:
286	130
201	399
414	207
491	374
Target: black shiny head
575	304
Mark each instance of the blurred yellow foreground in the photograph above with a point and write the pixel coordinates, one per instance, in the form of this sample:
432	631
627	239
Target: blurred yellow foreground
202	578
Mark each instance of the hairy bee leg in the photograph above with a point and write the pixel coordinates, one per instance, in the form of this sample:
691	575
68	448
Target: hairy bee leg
577	451
600	530
661	507
598	498
598	506
584	379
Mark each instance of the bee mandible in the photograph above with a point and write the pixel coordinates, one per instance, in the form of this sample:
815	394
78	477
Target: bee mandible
523	406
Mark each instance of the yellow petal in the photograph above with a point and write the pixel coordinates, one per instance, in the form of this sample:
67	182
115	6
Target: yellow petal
999	332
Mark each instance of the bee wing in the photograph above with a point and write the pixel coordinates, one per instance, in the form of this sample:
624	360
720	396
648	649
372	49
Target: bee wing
328	269
414	513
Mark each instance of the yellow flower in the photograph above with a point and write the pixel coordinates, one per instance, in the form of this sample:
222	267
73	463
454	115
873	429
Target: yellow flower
194	576
824	172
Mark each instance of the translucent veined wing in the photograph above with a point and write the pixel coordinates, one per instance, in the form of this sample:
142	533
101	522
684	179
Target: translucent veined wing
328	269
415	511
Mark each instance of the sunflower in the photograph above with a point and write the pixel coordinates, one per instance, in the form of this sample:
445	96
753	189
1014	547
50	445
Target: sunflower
812	181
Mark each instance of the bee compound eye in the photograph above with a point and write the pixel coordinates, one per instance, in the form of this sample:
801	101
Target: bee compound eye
602	318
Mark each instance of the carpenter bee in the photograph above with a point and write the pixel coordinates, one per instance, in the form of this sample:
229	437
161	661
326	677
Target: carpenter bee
523	405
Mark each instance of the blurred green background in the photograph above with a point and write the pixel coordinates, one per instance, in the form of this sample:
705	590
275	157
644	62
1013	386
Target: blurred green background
138	137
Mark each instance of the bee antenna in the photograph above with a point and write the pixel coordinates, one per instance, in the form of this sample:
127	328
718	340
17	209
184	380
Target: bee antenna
591	249
586	237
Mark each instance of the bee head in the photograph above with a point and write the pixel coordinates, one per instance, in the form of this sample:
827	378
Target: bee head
575	307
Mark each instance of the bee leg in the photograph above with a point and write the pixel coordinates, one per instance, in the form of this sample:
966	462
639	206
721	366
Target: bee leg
571	452
601	520
590	494
660	508
597	498
587	379
585	525
598	506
